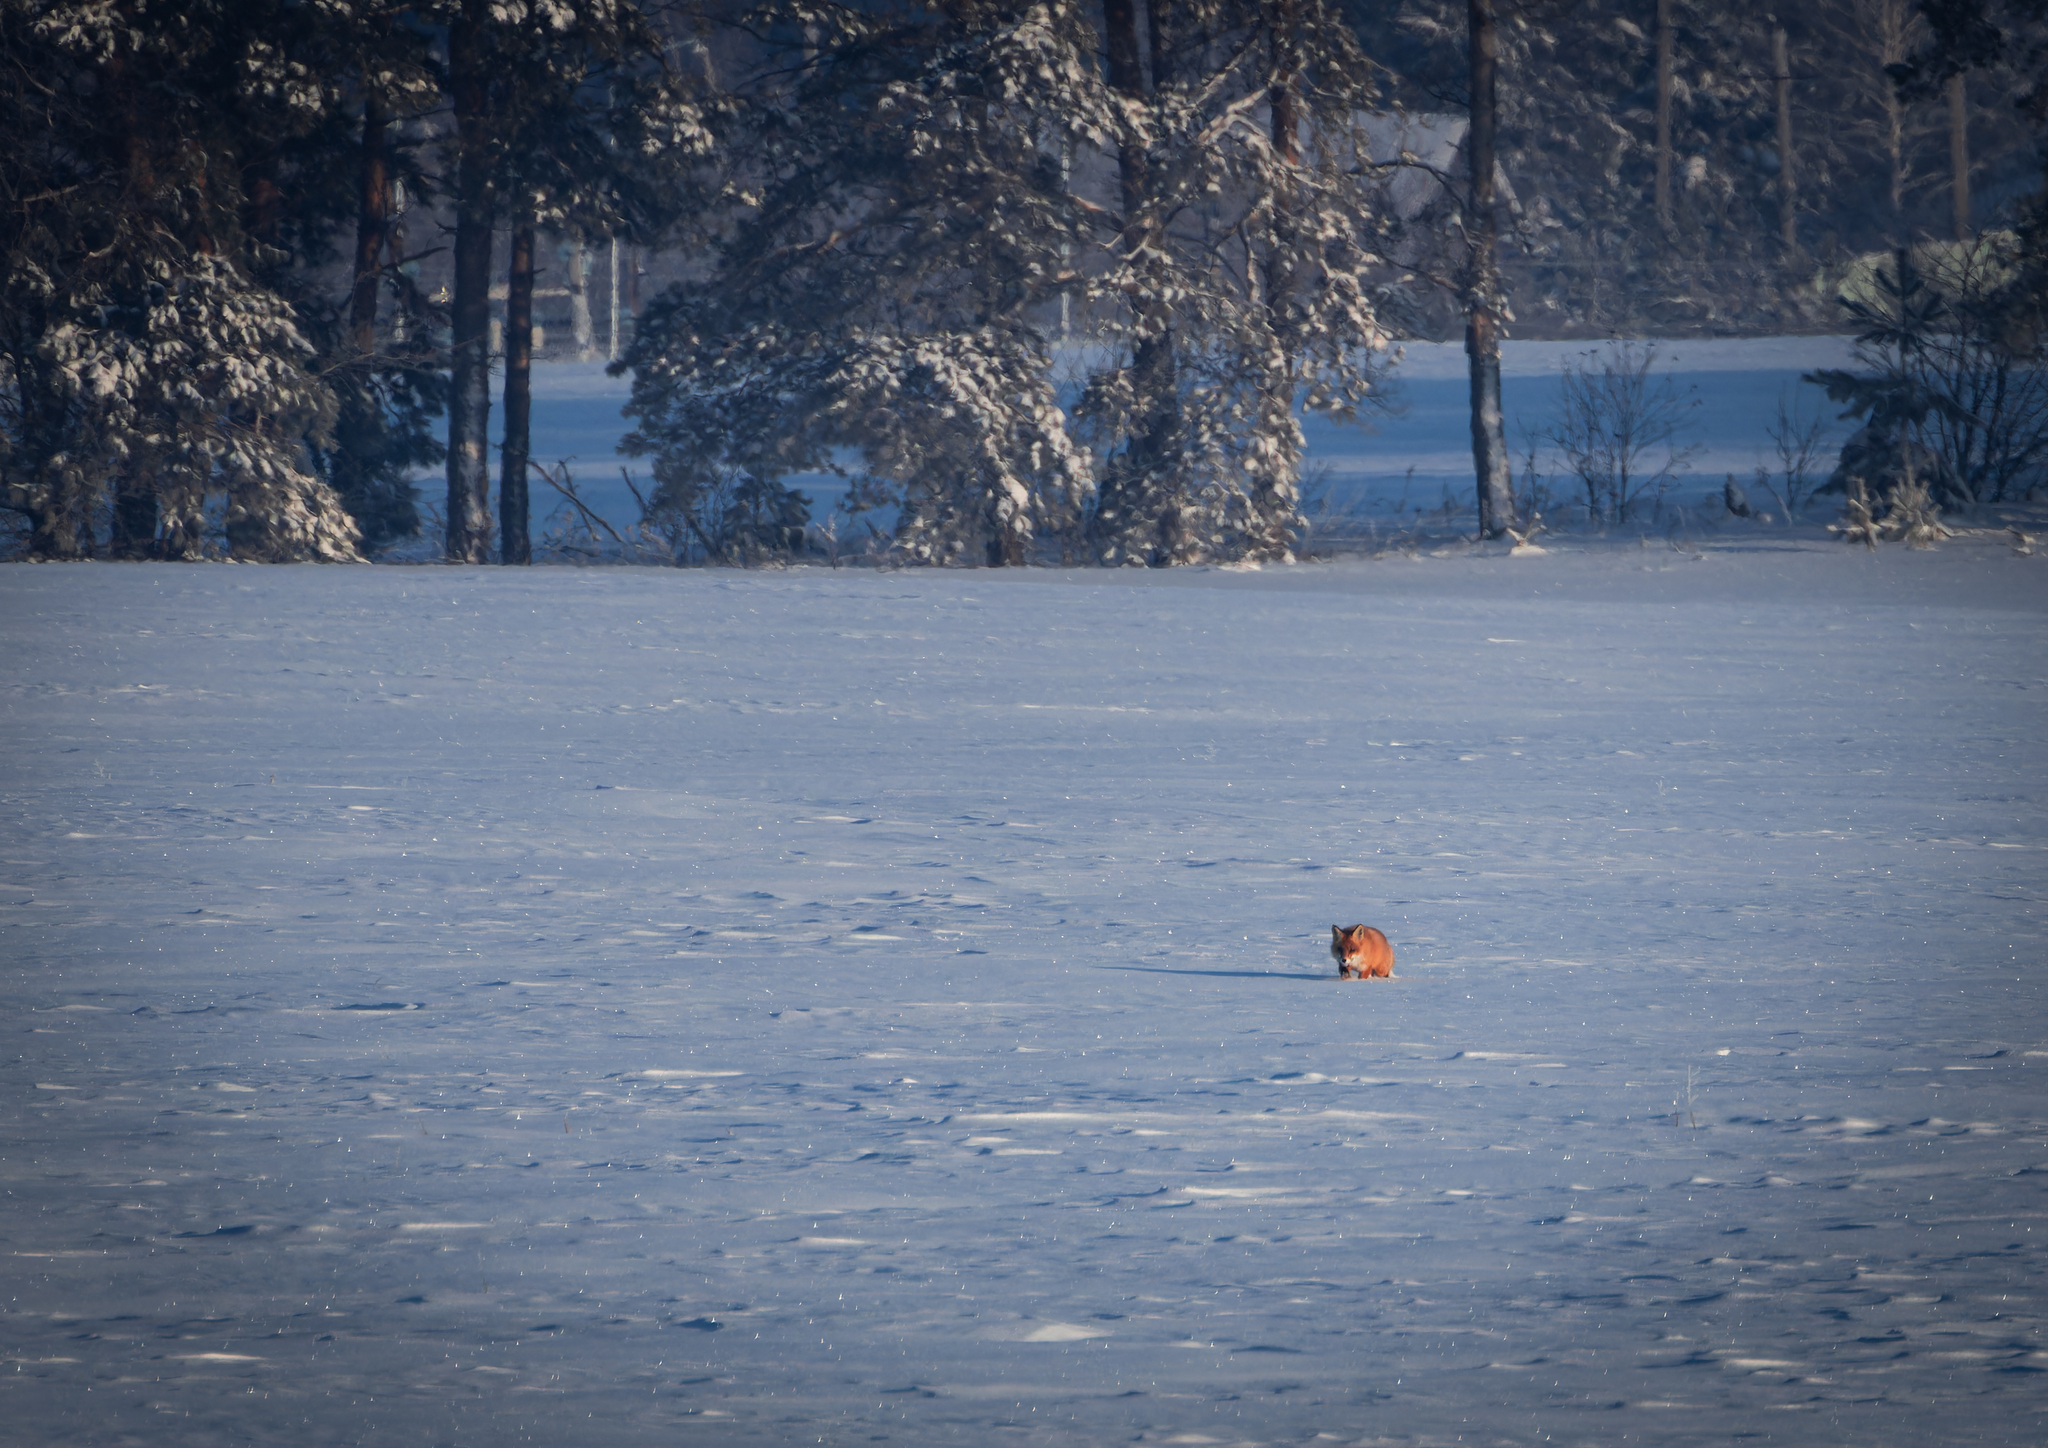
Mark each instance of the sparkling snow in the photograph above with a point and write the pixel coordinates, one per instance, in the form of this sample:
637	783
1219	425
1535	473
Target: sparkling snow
631	1006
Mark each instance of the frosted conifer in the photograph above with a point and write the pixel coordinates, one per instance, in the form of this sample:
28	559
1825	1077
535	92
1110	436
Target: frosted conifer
1237	278
147	376
908	210
894	222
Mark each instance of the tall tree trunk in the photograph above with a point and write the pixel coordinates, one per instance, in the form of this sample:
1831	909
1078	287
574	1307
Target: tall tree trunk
1157	43
1788	185
579	301
515	540
132	531
1483	294
611	337
1959	151
1664	49
373	224
1120	42
1892	22
1276	500
1135	492
469	402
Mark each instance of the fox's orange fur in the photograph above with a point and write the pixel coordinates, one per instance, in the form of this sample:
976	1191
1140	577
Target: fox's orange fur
1361	952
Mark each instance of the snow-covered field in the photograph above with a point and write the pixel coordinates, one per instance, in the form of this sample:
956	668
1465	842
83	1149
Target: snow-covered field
591	1007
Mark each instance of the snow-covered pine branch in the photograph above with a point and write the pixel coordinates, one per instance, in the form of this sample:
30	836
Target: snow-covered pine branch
1240	285
897	227
148	377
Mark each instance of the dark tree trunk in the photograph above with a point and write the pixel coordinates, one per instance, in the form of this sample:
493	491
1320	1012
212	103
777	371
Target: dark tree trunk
55	537
1275	502
1483	295
1158	44
1286	136
373	225
1664	49
1120	41
1134	488
1788	183
1959	151
515	540
48	502
133	530
266	200
469	401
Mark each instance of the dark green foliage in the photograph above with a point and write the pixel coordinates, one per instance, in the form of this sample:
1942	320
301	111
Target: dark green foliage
383	435
151	378
1947	401
177	367
1897	329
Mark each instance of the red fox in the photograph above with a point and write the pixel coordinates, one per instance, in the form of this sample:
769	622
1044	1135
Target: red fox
1361	952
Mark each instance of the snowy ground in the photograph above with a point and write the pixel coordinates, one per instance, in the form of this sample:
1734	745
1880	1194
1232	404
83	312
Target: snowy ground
1414	456
592	1007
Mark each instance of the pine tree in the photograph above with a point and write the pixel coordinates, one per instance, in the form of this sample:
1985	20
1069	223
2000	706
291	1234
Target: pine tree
1888	458
377	344
330	90
1237	280
148	375
892	222
2003	41
561	109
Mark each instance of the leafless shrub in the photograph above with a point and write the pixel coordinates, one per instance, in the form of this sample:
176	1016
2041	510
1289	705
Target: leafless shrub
1617	431
1802	439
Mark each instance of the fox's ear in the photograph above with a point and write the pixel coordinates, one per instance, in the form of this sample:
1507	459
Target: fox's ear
1336	932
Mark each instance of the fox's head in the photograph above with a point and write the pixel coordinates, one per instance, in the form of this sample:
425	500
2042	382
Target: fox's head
1347	944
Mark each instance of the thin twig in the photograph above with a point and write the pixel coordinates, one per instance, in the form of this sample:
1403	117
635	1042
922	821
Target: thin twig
568	490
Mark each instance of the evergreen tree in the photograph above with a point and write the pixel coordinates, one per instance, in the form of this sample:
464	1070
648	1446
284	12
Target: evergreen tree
892	223
2007	40
909	211
1236	277
378	345
148	376
559	107
1887	462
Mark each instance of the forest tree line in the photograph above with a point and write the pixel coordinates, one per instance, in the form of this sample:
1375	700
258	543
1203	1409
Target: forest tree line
1055	280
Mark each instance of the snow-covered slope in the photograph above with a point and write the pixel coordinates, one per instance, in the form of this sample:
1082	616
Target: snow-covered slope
611	1006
